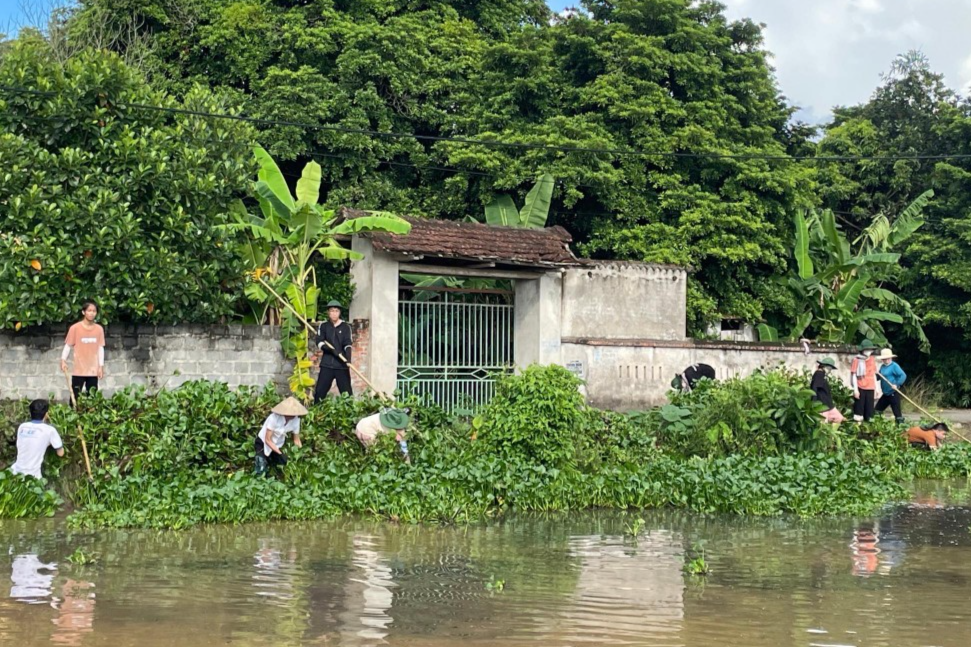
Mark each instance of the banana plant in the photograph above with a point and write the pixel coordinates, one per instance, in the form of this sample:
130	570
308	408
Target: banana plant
281	245
843	293
502	210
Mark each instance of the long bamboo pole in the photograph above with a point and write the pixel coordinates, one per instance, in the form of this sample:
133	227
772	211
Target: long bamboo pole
84	446
312	329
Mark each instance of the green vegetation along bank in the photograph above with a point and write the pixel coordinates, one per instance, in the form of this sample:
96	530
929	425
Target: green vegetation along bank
753	446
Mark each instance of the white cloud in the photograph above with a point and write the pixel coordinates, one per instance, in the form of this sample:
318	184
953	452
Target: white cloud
831	52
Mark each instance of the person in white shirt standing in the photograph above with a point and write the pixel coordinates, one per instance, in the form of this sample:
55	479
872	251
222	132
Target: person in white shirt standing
33	439
284	419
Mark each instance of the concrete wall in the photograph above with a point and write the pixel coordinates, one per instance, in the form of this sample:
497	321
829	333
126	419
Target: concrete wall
150	355
623	300
636	374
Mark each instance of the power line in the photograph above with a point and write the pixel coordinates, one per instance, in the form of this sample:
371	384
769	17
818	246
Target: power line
518	145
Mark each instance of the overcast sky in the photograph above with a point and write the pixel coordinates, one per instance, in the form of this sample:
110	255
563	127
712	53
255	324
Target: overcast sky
827	52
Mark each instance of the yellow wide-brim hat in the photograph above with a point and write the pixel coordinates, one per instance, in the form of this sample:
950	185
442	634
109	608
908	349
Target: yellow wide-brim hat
290	407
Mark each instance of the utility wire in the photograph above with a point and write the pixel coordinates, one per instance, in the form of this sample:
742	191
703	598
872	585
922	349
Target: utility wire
516	145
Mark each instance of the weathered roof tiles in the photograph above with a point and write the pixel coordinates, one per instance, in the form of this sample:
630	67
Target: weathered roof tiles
481	242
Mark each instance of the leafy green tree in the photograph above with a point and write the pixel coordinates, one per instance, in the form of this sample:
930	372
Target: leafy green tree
673	76
101	200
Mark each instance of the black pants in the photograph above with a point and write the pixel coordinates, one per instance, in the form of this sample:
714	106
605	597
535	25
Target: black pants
326	379
264	462
79	382
863	406
891	400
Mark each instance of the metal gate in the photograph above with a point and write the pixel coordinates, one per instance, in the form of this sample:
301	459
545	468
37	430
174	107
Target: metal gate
453	343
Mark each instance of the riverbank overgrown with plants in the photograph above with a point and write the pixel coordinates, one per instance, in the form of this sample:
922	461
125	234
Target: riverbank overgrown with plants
747	446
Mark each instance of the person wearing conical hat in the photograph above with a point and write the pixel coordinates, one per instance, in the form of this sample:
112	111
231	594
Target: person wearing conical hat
284	419
822	392
892	377
863	380
386	421
334	341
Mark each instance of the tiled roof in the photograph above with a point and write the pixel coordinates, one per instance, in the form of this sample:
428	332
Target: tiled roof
477	241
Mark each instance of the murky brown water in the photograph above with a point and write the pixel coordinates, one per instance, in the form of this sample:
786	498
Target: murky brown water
898	579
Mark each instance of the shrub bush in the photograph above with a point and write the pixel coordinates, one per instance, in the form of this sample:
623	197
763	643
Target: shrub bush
766	414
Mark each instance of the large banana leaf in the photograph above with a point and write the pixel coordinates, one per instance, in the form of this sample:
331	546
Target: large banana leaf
799	327
910	220
334	252
804	263
388	223
536	211
502	212
849	296
281	209
838	246
308	186
767	333
270	175
305	224
880	315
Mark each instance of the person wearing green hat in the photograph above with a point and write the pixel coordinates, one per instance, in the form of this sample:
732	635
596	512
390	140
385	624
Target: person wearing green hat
822	392
863	380
334	341
386	421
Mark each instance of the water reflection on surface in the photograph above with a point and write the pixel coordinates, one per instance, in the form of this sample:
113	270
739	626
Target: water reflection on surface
899	578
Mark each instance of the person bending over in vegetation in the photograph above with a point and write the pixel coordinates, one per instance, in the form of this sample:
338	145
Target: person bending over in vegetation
892	377
686	380
334	340
385	421
927	437
863	379
87	338
284	419
822	392
33	439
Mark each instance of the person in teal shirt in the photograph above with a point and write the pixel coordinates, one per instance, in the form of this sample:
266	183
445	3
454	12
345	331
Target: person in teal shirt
892	377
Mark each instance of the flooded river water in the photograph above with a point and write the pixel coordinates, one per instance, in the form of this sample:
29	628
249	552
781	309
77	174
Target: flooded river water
896	579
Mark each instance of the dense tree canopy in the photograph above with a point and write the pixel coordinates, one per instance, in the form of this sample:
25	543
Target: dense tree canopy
101	200
642	75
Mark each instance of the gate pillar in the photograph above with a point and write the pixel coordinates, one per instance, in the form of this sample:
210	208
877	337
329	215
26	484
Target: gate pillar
537	324
375	308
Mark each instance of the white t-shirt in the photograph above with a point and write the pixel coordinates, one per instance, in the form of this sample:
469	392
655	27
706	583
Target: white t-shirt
280	428
33	439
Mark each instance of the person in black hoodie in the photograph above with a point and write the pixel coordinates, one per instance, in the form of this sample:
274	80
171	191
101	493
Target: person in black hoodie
686	380
821	390
334	340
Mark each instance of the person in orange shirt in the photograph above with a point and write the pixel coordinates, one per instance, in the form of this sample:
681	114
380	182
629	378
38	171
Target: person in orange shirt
87	338
863	379
932	437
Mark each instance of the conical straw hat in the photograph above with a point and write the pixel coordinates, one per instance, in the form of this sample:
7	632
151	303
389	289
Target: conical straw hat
290	407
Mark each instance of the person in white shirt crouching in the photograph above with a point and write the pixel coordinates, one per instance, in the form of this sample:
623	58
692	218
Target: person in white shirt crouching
33	439
284	419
